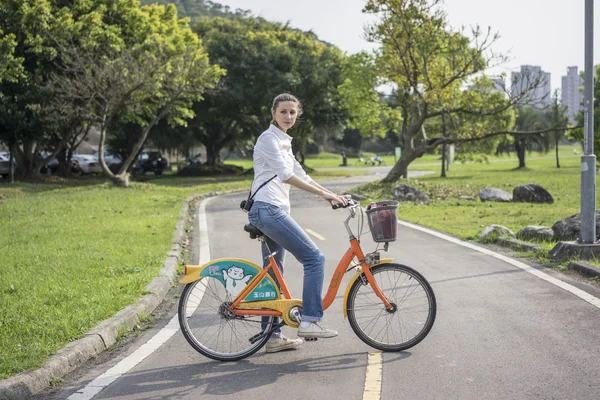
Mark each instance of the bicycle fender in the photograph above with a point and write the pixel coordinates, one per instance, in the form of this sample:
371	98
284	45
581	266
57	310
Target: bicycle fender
234	274
355	277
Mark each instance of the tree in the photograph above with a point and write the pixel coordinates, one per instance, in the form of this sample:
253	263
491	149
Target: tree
352	140
157	71
25	119
10	66
54	40
558	118
530	119
10	69
200	8
432	67
262	60
368	111
172	138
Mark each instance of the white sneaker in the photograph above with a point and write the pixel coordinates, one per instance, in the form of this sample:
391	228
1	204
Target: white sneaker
282	343
314	330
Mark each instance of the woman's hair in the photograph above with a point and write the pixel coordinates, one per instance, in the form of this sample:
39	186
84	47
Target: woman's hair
285	97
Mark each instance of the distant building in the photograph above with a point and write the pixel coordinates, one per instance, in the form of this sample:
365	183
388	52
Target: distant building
572	96
541	96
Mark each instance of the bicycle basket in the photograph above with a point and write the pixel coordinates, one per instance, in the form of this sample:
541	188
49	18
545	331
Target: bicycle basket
383	220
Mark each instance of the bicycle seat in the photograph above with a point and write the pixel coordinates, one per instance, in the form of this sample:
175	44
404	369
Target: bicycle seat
253	231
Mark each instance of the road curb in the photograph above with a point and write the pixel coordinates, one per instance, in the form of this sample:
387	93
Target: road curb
582	267
518	244
106	333
585	268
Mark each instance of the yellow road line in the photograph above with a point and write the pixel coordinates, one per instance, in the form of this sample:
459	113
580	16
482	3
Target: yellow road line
373	376
315	234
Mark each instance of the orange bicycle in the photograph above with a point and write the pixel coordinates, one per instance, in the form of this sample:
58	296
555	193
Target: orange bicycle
390	307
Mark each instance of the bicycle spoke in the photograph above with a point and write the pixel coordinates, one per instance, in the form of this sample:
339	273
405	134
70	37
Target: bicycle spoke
392	329
211	328
382	328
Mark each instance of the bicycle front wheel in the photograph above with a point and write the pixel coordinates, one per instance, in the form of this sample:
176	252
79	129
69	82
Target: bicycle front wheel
392	330
209	326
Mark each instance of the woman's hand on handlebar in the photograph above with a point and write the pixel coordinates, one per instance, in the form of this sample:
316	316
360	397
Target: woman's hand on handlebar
333	198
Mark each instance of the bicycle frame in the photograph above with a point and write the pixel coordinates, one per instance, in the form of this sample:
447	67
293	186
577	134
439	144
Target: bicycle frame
355	250
226	327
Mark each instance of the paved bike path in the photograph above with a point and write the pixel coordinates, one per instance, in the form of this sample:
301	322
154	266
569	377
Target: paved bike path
500	333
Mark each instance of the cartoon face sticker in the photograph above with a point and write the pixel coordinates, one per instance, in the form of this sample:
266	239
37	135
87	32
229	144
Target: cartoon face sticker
235	280
235	272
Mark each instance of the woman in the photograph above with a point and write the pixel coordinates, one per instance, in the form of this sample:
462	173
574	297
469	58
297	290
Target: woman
271	214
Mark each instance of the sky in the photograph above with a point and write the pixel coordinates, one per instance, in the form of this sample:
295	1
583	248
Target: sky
547	33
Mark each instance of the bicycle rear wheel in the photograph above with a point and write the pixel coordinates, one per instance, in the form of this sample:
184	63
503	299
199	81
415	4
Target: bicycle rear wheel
211	329
405	326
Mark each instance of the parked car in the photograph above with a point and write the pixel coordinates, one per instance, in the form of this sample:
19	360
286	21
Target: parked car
109	158
4	164
86	164
150	161
195	160
52	165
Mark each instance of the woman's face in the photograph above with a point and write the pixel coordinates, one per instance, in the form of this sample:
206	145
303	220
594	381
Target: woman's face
285	115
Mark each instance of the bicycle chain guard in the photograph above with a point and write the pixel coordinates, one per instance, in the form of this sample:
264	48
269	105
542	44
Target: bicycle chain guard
284	306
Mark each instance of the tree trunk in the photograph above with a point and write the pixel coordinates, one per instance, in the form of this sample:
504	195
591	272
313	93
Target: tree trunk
139	144
443	175
520	147
213	152
121	180
322	137
302	158
399	170
556	147
64	168
215	138
29	164
101	160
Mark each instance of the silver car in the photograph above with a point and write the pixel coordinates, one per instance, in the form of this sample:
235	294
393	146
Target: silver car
109	158
4	164
87	164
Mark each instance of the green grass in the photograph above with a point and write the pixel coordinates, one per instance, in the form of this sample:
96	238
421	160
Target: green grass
428	162
76	252
74	256
432	162
466	218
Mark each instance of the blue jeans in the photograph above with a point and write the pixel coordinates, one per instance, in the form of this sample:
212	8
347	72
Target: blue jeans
285	234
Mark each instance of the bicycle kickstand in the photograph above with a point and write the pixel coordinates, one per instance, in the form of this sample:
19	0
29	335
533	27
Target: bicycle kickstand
261	335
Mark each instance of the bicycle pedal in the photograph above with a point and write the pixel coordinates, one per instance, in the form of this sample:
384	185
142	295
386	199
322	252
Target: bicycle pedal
311	339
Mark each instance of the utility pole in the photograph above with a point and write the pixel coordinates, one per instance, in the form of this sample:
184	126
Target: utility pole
585	247
588	159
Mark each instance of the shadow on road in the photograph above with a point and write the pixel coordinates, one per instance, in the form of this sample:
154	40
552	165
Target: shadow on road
223	379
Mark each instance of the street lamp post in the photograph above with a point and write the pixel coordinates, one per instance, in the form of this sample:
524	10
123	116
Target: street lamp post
588	159
586	246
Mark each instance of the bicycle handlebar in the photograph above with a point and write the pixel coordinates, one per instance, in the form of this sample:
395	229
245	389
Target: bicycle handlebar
351	203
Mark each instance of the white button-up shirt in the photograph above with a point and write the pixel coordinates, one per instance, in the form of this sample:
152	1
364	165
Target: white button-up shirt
273	156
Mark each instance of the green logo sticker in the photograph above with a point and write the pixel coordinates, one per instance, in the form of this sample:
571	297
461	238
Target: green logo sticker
236	274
